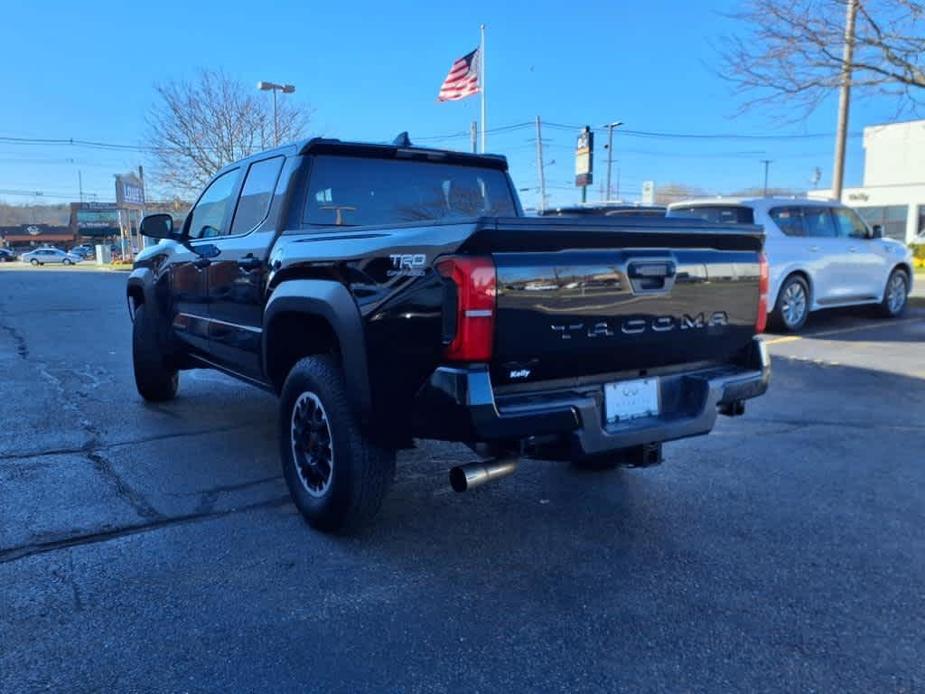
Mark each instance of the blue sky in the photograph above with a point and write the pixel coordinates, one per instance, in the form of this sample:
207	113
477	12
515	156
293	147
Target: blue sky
369	70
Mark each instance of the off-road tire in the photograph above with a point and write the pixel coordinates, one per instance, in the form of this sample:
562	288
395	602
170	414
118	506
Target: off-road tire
360	472
155	380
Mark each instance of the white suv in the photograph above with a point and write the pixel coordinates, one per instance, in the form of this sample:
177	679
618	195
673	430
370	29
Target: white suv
821	255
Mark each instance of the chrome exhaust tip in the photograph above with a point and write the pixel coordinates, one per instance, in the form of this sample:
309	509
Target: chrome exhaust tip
472	475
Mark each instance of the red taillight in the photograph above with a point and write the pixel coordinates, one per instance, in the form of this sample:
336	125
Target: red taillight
761	321
475	307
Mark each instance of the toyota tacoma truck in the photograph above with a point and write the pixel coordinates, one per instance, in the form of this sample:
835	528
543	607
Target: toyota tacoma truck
391	292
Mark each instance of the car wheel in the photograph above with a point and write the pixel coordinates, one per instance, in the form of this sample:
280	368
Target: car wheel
67	261
34	262
896	294
336	476
155	380
792	308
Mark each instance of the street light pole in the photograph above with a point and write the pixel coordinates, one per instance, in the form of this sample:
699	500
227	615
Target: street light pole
610	127
273	87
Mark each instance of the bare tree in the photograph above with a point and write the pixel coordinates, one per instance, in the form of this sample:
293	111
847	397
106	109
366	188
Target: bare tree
673	192
791	51
196	128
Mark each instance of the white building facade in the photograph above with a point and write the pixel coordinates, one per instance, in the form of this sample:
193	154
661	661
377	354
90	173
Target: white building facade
893	194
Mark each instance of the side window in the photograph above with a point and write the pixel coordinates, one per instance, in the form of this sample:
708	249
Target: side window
256	194
207	217
818	222
789	220
848	224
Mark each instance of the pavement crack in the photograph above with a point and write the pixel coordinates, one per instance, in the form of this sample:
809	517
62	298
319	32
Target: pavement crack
210	496
68	580
22	551
22	349
134	498
94	445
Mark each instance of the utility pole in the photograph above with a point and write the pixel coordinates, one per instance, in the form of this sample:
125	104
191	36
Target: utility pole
844	99
144	200
610	127
80	185
474	136
539	165
767	163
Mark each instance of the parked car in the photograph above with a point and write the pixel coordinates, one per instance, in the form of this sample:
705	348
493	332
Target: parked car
41	256
388	292
606	210
83	251
821	254
7	255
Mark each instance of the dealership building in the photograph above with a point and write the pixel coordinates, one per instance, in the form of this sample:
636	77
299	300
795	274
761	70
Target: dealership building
893	193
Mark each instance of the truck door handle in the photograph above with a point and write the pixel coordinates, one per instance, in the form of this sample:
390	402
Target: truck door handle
202	263
250	262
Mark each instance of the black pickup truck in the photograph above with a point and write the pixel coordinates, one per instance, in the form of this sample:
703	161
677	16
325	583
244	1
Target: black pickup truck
388	292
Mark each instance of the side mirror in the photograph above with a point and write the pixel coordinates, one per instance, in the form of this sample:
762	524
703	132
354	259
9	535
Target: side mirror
876	231
157	226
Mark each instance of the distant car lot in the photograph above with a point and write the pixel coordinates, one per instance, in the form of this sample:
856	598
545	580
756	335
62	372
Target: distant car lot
743	562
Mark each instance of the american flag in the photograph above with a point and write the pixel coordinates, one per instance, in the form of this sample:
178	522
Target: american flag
463	79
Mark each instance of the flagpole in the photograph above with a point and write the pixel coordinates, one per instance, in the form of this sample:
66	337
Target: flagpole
482	82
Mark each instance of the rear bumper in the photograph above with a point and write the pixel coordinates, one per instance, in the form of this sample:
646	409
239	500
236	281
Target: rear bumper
459	404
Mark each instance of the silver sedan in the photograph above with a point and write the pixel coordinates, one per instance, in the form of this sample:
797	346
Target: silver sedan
40	256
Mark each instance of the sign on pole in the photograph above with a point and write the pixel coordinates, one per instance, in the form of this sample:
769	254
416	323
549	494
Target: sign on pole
130	192
648	192
584	158
94	219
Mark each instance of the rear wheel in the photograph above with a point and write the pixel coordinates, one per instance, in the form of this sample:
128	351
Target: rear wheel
336	476
792	308
896	294
155	380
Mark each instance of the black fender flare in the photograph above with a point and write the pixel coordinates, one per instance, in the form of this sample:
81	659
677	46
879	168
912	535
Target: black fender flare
141	279
333	302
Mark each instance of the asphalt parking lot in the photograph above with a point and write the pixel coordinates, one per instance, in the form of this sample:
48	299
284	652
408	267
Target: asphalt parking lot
154	548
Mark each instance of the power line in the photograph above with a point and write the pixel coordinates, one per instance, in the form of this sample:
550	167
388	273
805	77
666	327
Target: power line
705	136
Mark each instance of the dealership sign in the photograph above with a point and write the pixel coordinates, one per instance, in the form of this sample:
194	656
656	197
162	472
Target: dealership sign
584	158
130	191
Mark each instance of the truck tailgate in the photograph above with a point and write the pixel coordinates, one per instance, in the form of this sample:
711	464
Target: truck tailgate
582	299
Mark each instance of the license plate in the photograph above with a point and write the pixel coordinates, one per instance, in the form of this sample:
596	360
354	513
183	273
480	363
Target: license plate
631	399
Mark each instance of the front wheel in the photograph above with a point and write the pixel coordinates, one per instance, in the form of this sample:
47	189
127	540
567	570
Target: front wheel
68	261
155	380
336	476
792	307
896	295
34	262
